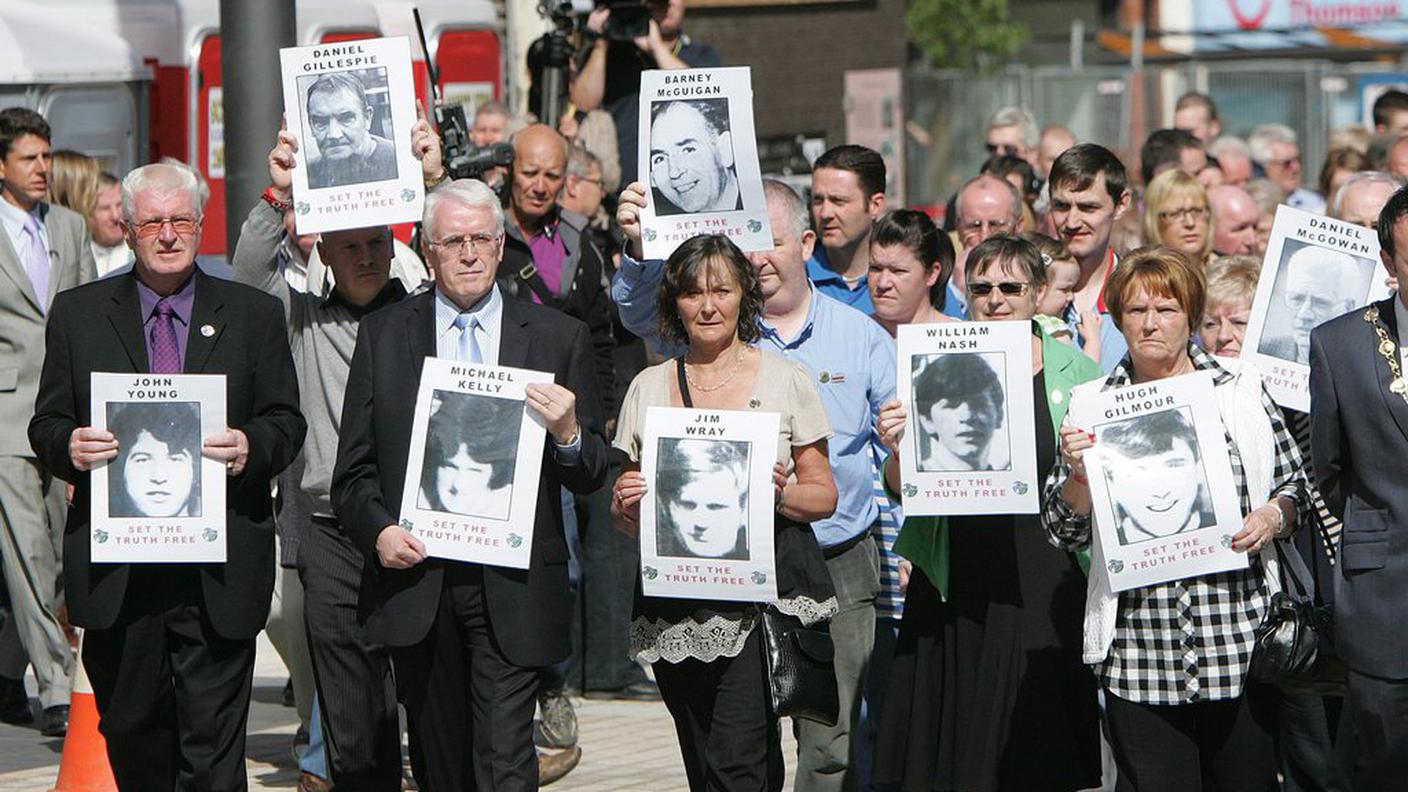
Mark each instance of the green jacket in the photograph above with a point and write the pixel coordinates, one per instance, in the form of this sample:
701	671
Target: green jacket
924	540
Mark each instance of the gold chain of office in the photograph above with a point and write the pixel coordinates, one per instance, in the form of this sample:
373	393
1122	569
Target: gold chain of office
1388	348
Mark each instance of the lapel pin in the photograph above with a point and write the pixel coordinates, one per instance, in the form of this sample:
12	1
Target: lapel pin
207	330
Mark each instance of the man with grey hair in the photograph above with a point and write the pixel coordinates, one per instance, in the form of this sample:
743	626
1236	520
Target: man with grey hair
1274	148
837	345
1362	197
1234	158
462	632
1012	131
987	206
170	647
44	249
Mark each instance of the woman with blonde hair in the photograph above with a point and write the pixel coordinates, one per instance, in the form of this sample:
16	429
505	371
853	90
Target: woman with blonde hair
1176	215
73	183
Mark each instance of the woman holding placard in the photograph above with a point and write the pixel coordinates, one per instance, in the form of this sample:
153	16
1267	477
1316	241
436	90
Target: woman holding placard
1173	657
987	690
708	654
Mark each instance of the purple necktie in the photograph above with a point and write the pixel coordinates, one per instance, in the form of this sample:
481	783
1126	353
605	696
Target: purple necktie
166	355
37	261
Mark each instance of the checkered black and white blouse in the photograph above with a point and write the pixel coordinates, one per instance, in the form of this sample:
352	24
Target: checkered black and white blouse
1187	640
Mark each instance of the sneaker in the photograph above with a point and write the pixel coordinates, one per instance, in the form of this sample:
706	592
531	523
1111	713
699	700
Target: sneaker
557	728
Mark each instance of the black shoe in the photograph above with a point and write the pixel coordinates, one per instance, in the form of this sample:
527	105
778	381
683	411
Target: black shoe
14	702
54	721
644	690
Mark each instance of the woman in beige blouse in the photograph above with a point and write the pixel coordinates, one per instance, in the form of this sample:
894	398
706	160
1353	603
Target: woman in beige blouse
707	654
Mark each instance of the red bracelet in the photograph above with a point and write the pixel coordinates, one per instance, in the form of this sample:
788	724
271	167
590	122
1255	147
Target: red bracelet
1079	478
273	200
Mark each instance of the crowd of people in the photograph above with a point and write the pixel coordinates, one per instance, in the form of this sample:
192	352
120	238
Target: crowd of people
970	653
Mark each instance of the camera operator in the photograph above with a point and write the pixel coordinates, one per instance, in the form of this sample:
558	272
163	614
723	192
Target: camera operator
609	77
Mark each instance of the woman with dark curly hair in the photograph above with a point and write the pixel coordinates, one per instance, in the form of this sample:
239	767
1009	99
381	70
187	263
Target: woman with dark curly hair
157	469
707	655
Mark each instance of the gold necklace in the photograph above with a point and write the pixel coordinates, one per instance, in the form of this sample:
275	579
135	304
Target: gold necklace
737	364
1389	350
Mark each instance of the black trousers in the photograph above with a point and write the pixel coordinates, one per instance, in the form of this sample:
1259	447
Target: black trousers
1218	746
728	736
470	709
605	591
1380	710
352	674
172	695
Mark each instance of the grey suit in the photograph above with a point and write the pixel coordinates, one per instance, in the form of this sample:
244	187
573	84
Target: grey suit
32	514
1359	442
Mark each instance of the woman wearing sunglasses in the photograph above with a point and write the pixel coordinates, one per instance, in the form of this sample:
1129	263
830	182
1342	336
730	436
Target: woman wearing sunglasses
987	690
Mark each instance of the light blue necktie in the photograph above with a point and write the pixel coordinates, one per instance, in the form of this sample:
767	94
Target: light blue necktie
469	345
36	262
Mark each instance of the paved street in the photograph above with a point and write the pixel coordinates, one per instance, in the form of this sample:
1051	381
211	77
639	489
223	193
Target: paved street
625	745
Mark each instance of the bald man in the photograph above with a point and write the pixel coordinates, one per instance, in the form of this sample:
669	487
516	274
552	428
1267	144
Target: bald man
987	206
1054	142
1316	286
1234	216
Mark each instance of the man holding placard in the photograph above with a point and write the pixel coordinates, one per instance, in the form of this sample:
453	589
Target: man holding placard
461	630
1359	439
350	672
170	646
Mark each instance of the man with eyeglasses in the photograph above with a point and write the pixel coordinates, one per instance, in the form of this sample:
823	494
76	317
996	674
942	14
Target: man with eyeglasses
170	647
467	640
44	249
1089	191
987	206
1013	132
1276	152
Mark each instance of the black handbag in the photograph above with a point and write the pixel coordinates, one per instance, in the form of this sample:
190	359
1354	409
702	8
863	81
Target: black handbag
1292	642
801	667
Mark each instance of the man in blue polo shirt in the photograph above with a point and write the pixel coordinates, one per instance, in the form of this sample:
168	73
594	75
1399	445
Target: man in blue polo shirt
848	196
853	362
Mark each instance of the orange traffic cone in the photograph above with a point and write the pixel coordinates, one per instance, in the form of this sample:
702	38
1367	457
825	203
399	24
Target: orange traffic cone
84	767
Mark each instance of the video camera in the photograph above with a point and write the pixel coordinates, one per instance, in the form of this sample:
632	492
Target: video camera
462	159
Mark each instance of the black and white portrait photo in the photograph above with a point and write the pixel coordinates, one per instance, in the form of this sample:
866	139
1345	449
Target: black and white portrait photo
157	469
1155	477
471	450
692	158
701	489
960	403
1313	285
348	121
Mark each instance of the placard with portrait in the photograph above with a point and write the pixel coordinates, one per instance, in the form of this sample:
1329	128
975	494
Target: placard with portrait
159	500
1164	501
351	104
1316	268
706	522
699	159
471	491
969	446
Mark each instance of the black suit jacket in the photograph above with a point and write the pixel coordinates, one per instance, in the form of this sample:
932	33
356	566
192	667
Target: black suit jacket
98	327
530	609
1359	449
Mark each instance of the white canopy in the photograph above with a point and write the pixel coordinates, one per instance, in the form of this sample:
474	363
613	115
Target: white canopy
40	44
